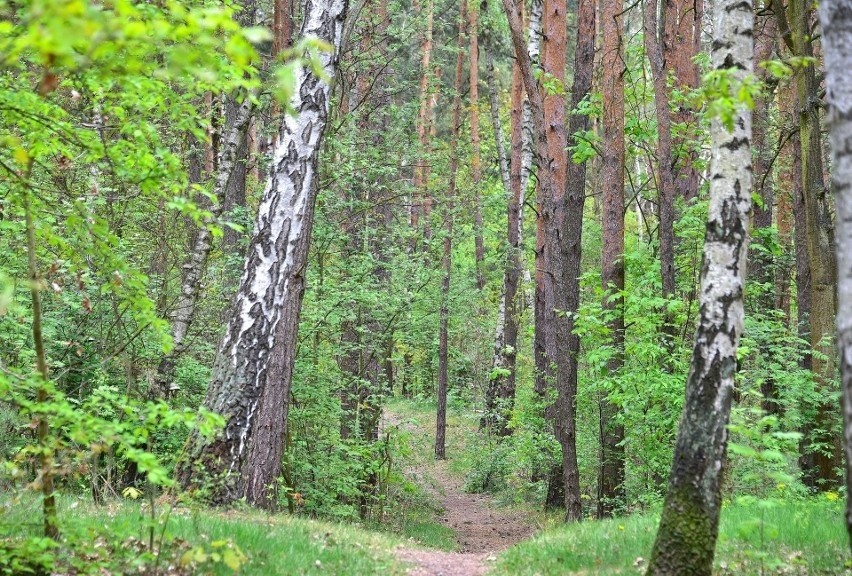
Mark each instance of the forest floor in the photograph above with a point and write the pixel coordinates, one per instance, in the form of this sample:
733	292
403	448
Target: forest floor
482	529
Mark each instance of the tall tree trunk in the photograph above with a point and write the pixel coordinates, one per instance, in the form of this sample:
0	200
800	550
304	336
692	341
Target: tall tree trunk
819	466
259	345
575	198
611	466
761	261
551	214
788	183
836	19
421	204
681	43
446	260
475	160
548	119
500	393
686	539
665	159
555	485
196	263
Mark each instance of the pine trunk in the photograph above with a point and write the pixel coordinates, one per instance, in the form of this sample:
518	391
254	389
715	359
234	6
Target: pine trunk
475	160
421	205
611	465
681	43
548	116
665	158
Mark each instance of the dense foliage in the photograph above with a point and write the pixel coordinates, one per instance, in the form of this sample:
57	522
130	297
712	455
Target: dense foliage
110	118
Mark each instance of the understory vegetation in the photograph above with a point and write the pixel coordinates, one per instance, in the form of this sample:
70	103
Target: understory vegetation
261	262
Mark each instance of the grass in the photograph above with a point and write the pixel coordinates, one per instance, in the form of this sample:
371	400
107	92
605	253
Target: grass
799	537
272	545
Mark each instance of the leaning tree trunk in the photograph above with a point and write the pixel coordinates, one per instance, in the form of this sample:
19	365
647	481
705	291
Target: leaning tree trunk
836	19
686	539
196	262
259	345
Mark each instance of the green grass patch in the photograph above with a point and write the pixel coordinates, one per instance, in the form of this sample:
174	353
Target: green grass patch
271	544
798	537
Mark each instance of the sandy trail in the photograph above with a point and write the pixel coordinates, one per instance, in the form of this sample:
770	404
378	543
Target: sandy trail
482	530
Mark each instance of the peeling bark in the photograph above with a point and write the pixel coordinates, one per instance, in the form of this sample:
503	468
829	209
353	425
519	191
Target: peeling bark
665	158
259	345
686	539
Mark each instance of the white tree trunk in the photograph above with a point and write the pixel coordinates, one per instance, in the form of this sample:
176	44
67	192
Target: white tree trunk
258	348
686	539
836	19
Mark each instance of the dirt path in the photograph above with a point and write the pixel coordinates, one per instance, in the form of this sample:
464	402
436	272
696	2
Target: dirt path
482	530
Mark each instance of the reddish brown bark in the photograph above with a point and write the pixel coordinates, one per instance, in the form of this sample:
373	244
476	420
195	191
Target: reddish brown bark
681	43
556	325
500	394
611	470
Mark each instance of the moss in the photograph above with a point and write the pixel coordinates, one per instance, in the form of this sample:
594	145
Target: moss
686	539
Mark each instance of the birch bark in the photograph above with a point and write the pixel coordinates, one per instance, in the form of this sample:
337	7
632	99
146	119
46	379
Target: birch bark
500	393
686	538
258	348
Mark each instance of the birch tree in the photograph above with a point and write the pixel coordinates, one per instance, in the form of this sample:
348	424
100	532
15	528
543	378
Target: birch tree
686	538
259	345
836	19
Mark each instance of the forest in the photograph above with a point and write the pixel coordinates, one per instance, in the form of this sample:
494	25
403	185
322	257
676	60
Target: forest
426	287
